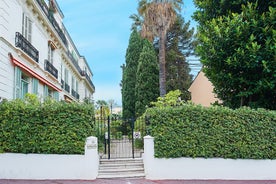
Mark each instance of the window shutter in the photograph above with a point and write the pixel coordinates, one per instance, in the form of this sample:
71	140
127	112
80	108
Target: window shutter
29	30
56	95
18	76
35	86
46	93
27	27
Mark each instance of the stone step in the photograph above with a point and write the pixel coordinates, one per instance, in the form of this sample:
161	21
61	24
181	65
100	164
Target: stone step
111	170
128	175
121	160
121	168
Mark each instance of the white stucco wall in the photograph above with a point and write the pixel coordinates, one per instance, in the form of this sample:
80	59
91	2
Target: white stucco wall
205	169
43	167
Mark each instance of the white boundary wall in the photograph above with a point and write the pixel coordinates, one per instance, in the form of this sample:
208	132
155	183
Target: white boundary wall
205	169
47	167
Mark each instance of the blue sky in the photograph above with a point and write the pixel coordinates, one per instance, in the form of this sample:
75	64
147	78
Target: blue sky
100	30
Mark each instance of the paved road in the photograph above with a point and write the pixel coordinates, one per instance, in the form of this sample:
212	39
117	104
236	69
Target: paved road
134	181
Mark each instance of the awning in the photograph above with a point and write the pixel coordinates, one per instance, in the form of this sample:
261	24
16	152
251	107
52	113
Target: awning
33	73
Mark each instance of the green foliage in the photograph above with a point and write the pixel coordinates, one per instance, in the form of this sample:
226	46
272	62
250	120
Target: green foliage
129	75
237	48
180	44
196	131
52	127
171	99
147	79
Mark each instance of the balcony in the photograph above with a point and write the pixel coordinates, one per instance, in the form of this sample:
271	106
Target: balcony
51	18
49	67
67	87
26	46
83	73
75	63
75	94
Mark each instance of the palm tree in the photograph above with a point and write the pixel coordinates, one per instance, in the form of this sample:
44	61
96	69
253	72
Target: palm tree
158	17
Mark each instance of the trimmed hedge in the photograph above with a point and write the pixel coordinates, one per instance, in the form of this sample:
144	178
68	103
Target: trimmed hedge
49	128
196	131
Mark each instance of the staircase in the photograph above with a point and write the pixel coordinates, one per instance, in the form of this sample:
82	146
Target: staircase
121	168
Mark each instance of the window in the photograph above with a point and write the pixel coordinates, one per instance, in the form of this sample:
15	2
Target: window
27	27
24	84
50	54
56	95
49	92
77	86
21	83
66	76
73	83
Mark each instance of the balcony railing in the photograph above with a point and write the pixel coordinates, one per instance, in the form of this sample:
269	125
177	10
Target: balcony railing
75	94
51	18
49	67
83	73
67	87
75	63
26	46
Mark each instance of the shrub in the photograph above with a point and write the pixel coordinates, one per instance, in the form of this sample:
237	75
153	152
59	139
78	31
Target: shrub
52	127
196	131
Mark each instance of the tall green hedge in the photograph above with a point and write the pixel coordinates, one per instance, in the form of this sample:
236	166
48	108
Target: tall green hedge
53	127
196	131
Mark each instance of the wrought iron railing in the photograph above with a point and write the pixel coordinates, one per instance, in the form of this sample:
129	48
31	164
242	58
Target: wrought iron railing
51	18
75	94
75	63
26	46
83	73
67	87
49	67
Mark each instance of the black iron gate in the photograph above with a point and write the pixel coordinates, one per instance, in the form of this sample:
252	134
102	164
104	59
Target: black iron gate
118	138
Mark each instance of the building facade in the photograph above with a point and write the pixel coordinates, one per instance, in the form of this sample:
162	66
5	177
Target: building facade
201	91
37	54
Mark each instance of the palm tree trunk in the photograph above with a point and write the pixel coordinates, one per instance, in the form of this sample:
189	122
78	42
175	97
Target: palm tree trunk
162	63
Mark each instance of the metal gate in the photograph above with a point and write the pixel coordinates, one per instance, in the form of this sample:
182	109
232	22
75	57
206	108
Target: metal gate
118	138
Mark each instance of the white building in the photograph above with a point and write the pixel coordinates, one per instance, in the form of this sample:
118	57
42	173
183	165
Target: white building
37	54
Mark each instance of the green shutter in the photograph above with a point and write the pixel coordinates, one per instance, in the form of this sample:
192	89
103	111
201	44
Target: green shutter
18	76
56	95
46	93
35	86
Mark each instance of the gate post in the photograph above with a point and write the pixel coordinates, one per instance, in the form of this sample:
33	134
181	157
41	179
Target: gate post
148	155
108	140
132	132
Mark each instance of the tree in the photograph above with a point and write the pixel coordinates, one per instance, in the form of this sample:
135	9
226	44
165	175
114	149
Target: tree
147	86
158	17
237	49
129	74
180	44
102	108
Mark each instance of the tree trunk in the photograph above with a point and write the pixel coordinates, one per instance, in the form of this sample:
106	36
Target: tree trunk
162	63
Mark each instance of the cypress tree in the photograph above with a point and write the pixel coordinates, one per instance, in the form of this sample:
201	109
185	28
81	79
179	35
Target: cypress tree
147	78
129	74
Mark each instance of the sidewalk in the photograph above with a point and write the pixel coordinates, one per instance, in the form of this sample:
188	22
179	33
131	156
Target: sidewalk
134	181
